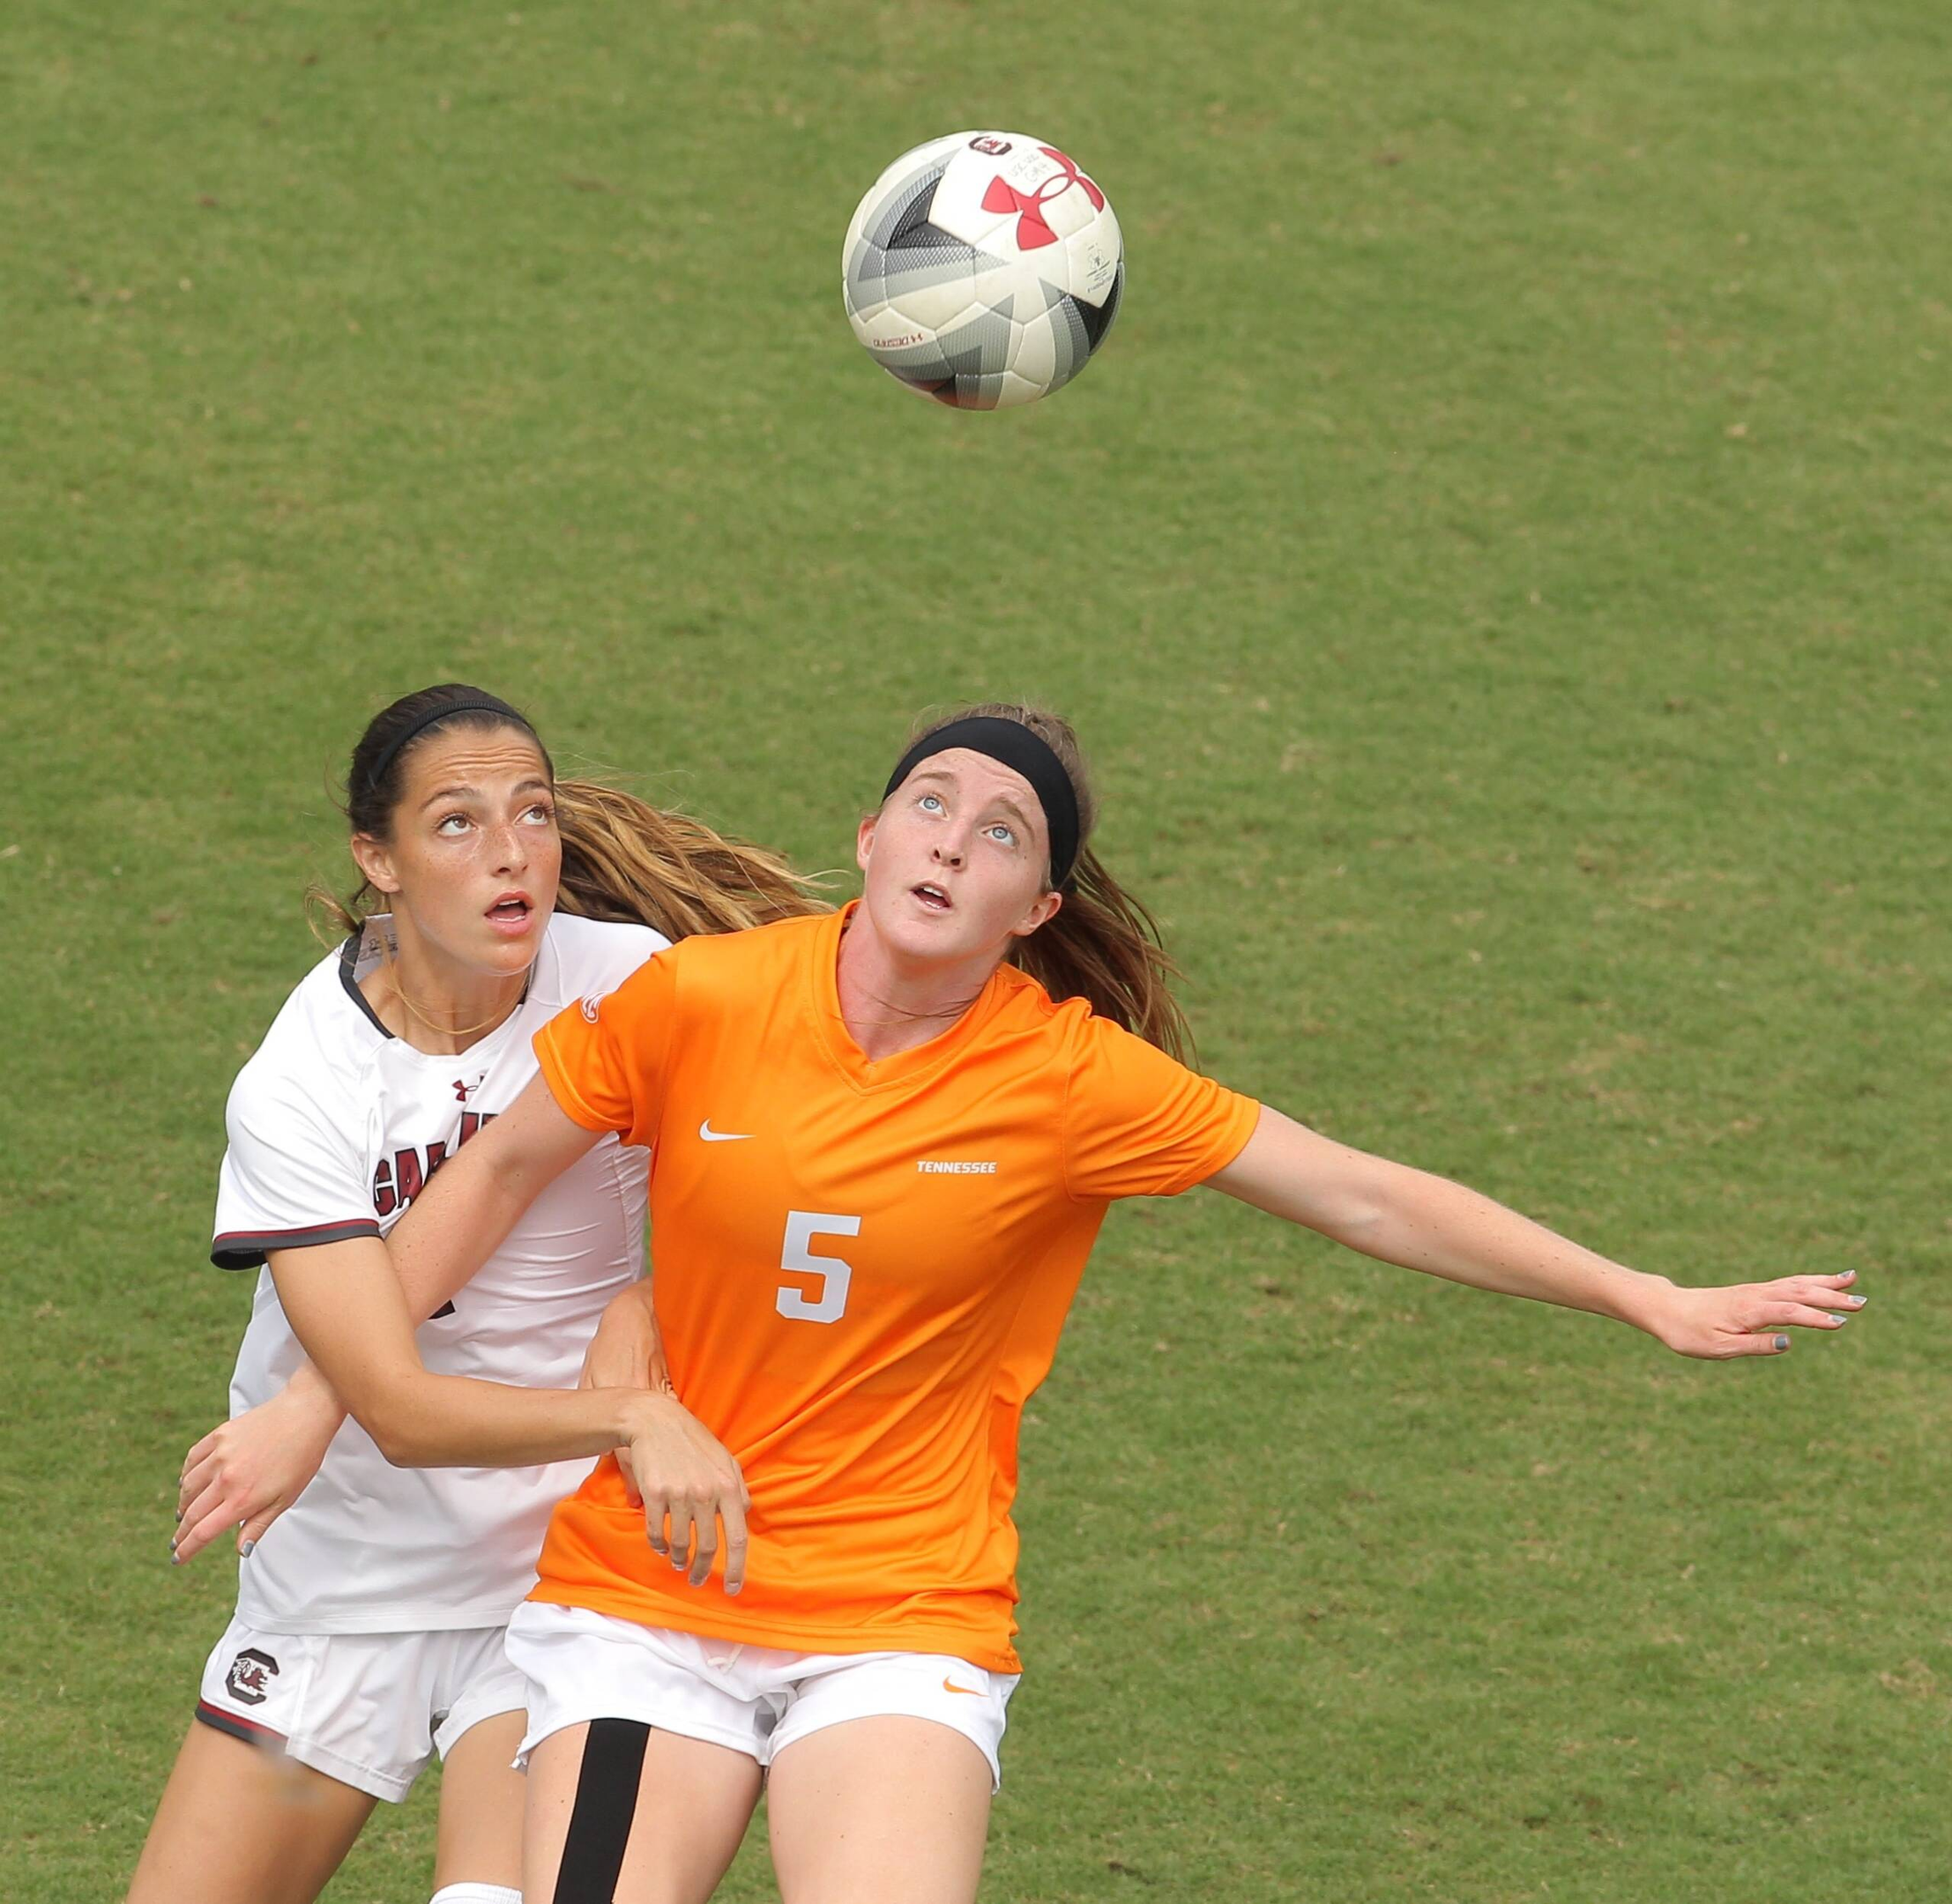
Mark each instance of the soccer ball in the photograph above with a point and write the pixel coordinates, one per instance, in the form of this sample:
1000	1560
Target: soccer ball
983	270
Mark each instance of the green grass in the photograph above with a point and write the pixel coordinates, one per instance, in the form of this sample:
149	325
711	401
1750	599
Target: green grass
1498	566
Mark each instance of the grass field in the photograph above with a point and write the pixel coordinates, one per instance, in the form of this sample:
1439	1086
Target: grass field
1499	564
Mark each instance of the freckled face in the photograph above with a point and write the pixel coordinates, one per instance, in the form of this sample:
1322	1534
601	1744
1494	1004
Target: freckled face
956	860
474	856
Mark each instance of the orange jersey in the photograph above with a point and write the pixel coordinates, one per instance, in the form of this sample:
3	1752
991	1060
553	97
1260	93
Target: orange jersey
861	1271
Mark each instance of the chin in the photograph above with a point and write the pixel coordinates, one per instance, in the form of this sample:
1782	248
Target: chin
505	957
949	938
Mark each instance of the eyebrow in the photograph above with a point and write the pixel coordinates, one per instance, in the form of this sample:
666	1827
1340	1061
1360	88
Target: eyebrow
468	792
1003	799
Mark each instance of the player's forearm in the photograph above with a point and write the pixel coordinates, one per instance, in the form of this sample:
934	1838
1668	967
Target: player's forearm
308	1386
420	1420
455	1226
627	1351
1444	1229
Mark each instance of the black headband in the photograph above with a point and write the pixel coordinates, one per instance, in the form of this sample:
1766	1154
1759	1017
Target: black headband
1022	751
496	708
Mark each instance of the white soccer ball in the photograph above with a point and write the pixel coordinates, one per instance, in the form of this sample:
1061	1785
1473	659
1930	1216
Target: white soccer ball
983	270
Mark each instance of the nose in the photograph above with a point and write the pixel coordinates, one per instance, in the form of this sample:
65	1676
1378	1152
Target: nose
511	851
949	853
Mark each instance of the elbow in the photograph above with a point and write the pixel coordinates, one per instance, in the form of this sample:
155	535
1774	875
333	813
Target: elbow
399	1450
1357	1224
395	1427
391	1436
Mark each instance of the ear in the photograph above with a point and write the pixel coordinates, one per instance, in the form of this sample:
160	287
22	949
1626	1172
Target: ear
375	859
1042	913
864	840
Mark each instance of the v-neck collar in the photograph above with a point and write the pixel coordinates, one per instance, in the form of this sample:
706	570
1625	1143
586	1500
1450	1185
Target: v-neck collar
353	954
905	1068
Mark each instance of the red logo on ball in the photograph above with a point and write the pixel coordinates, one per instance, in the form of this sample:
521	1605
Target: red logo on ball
1033	232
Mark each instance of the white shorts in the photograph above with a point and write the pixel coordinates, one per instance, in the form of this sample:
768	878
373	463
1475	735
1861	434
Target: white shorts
368	1709
582	1666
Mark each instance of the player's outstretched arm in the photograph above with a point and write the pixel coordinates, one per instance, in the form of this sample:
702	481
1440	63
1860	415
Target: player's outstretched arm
1408	1216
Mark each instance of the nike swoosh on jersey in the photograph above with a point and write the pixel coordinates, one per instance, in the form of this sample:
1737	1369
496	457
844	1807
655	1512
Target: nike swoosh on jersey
721	1136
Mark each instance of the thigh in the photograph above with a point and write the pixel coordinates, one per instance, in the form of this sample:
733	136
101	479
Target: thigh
242	1824
881	1811
602	1823
482	1795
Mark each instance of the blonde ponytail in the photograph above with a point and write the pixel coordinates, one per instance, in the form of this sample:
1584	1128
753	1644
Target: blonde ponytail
623	858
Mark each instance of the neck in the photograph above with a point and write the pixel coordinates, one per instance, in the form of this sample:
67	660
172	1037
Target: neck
428	1000
891	1004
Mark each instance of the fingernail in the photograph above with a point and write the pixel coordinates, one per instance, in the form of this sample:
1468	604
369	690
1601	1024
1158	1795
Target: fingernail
1782	1342
247	1550
1838	1322
735	1589
179	1517
176	1560
1858	1302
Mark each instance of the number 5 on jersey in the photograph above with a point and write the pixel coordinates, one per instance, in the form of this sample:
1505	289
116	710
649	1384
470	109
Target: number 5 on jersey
803	1226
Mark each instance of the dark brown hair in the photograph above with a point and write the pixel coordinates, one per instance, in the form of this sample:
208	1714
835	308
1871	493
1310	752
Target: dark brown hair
622	859
1103	946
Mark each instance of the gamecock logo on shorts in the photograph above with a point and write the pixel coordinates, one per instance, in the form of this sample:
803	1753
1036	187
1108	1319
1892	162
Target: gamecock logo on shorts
250	1676
1033	230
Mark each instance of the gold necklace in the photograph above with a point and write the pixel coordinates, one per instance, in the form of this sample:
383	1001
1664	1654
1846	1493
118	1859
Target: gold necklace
390	956
451	1031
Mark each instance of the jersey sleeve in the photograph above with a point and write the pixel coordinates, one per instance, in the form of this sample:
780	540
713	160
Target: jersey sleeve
293	1174
604	1057
1138	1123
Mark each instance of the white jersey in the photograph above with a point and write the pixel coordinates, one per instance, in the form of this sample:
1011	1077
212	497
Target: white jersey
335	1125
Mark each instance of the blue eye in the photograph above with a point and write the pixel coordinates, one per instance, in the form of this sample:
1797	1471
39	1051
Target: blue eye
930	802
1002	832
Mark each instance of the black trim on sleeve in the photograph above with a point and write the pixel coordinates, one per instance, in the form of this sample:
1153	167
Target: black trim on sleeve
348	966
245	1249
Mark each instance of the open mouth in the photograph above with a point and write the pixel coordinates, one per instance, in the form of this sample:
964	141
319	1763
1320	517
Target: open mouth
932	896
511	912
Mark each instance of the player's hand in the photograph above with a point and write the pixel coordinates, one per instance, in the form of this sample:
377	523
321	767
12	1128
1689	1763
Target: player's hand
248	1471
690	1487
626	1352
1753	1318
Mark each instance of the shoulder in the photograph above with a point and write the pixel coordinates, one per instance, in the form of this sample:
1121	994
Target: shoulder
582	956
1066	1025
1068	1032
707	959
306	1072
